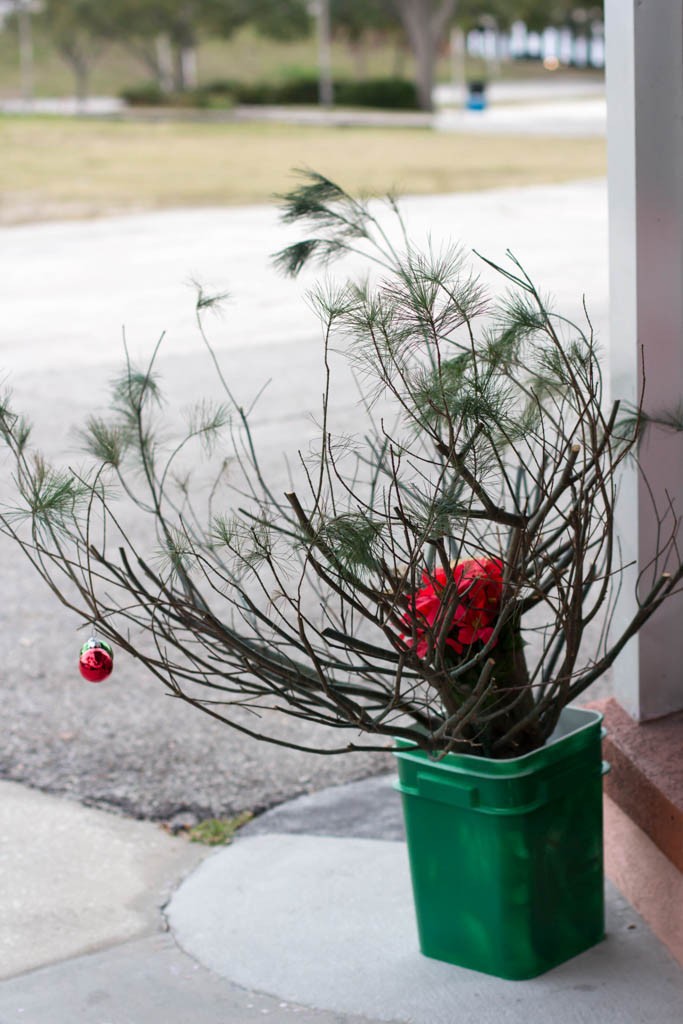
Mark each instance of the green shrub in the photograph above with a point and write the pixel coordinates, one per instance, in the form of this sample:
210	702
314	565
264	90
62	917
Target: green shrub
303	89
220	89
259	93
384	93
298	90
146	95
218	95
387	93
221	86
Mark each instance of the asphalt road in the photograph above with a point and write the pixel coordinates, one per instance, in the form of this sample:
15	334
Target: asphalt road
66	291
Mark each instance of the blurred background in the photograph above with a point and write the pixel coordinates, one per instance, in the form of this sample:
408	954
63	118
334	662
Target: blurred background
107	106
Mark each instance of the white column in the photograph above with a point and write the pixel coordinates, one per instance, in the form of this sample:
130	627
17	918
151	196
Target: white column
565	49
518	36
549	42
596	51
645	158
581	50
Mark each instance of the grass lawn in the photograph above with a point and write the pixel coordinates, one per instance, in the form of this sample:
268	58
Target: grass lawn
60	167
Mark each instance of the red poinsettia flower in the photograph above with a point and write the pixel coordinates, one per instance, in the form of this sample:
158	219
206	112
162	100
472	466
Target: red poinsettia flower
479	584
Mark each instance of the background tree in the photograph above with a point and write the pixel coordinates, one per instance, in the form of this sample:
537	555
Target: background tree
164	34
539	14
425	23
278	19
536	14
144	30
73	26
355	21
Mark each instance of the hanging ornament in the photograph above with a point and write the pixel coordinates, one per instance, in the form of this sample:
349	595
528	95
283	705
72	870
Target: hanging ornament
96	660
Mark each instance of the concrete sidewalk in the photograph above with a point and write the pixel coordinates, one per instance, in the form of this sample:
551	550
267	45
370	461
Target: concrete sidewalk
307	916
579	118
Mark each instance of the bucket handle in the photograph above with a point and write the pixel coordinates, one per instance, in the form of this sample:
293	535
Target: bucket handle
466	795
460	794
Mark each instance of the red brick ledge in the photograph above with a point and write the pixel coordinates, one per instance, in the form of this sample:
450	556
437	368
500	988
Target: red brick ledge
647	878
646	781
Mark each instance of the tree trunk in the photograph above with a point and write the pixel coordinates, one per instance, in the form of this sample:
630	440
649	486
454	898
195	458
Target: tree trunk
425	23
154	58
325	77
79	62
400	57
163	55
184	67
25	52
188	58
183	43
178	69
359	52
425	61
82	73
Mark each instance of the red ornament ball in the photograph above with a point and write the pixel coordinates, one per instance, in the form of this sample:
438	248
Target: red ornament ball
96	660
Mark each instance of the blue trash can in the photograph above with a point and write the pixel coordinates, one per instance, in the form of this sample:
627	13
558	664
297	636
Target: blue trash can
476	96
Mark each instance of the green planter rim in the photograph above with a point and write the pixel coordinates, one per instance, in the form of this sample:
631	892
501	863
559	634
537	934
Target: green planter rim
574	731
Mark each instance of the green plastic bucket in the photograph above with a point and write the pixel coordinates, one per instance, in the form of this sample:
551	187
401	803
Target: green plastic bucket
506	856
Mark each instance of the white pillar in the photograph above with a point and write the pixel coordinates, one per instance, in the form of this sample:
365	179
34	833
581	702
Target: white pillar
475	45
489	44
518	36
645	159
596	50
565	49
581	50
549	42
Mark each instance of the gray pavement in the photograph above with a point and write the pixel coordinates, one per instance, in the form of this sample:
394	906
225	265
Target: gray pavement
74	879
329	922
149	981
307	917
64	106
547	89
578	118
66	290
